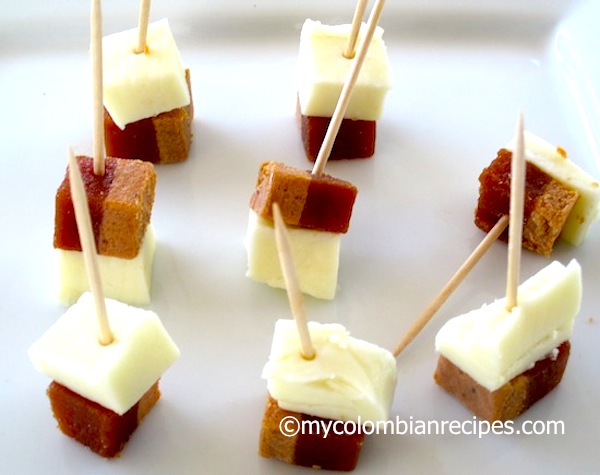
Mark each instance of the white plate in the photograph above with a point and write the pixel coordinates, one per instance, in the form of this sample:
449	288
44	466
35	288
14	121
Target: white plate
461	71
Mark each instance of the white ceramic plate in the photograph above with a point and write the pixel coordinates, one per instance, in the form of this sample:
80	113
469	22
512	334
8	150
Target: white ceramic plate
462	71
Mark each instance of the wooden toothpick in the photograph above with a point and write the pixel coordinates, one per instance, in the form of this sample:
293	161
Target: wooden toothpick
515	229
452	284
291	283
88	246
359	12
344	99
143	26
96	44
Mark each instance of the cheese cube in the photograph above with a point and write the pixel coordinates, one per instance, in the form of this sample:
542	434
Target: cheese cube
348	379
323	69
315	255
126	280
116	375
138	86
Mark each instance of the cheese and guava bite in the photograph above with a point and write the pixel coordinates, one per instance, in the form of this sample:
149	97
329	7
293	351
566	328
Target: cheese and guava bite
553	160
120	204
348	381
321	73
317	210
495	352
561	200
101	392
147	96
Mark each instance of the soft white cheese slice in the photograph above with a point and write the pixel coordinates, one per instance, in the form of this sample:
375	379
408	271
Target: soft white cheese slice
323	69
117	375
587	208
493	345
126	280
315	253
349	379
138	86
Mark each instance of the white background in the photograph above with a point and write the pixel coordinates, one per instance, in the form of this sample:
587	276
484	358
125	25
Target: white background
462	70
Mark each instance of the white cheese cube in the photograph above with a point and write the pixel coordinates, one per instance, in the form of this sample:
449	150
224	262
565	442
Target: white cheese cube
315	254
493	345
126	280
323	69
116	375
348	379
138	86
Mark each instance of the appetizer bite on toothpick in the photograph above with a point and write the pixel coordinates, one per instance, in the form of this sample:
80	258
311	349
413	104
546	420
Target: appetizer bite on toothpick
319	374
104	357
561	200
326	57
120	194
147	94
501	359
318	209
316	205
121	207
497	362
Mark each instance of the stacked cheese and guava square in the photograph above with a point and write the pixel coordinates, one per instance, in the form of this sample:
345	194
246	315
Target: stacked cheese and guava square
497	362
322	72
561	200
316	210
148	106
349	381
100	393
120	204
